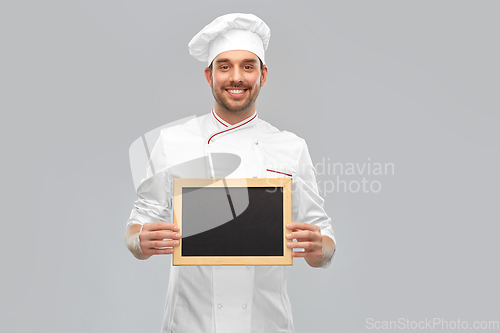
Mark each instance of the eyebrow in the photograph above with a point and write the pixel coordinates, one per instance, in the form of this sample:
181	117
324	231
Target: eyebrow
244	60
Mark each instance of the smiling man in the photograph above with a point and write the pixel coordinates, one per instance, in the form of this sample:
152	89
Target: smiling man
235	78
246	299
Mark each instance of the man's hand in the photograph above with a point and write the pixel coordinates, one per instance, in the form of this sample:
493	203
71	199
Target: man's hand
318	249
153	239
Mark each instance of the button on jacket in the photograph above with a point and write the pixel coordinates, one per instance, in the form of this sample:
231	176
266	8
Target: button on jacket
230	299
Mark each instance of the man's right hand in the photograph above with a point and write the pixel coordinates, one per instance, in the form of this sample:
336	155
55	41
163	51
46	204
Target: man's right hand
155	238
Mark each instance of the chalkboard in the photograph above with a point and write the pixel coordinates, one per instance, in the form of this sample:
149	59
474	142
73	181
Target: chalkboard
232	221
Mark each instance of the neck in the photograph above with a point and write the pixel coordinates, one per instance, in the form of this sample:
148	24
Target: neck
233	117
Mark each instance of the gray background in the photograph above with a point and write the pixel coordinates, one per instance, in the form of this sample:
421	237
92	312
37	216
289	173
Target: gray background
414	83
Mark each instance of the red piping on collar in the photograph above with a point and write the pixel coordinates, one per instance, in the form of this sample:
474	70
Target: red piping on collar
246	122
279	172
218	119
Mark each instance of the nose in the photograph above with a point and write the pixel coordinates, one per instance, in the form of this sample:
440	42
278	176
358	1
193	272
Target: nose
237	75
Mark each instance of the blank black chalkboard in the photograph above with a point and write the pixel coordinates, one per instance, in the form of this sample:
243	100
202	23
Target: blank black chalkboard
232	221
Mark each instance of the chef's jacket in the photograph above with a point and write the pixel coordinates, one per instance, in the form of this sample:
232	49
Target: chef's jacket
230	299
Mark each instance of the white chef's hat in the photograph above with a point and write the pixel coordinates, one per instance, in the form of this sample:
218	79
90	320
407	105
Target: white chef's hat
229	33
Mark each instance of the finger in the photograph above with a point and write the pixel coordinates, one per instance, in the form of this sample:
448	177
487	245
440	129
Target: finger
308	246
304	235
159	244
160	226
158	235
163	244
302	226
164	251
151	252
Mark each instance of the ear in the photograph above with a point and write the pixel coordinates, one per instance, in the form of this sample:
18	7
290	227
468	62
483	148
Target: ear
263	76
208	76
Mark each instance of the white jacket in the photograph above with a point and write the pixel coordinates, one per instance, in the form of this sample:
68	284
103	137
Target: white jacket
230	299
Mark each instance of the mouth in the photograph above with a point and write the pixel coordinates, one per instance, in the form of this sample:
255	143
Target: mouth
236	92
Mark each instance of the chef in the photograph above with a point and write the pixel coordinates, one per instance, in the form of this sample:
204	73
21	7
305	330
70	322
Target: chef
230	299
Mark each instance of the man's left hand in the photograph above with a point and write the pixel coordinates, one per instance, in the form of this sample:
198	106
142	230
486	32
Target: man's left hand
309	238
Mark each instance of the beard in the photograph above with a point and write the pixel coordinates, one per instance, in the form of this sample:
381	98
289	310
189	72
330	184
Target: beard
229	105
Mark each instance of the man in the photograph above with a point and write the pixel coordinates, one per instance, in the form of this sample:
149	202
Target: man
238	298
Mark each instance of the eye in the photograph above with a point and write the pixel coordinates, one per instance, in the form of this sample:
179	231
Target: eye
224	67
248	67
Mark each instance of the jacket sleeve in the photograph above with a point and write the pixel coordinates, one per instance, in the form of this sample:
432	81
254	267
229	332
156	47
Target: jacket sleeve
154	193
308	204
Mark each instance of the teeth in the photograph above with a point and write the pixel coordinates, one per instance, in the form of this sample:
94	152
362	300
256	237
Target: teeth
236	91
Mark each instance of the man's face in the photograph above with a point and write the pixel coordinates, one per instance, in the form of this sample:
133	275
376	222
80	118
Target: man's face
235	79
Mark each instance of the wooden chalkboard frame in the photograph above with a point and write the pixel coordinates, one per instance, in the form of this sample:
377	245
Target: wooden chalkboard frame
286	187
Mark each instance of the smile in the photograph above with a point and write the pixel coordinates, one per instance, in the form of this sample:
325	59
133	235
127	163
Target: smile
236	92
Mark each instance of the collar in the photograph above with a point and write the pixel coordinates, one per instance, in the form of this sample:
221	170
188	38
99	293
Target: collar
225	127
220	122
